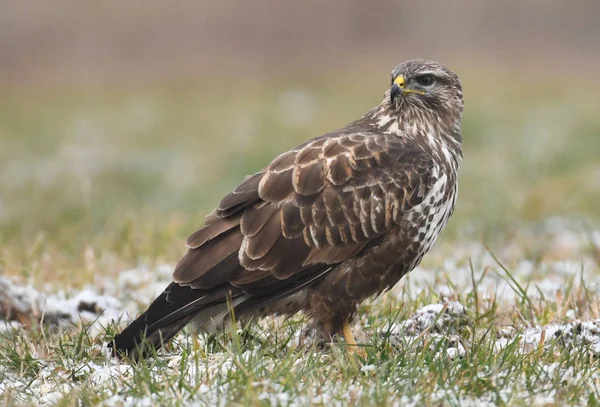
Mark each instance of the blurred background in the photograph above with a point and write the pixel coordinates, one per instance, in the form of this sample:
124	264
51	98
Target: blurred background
122	123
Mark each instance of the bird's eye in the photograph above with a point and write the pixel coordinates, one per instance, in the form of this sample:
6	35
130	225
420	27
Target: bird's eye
425	80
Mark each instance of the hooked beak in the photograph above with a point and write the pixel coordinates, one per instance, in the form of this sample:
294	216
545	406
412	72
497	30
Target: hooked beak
398	88
394	92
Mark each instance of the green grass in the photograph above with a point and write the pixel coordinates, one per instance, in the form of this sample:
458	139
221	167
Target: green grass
95	181
257	371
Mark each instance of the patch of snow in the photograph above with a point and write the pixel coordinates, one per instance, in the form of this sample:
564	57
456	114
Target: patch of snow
25	303
9	325
368	368
456	351
119	301
569	335
437	317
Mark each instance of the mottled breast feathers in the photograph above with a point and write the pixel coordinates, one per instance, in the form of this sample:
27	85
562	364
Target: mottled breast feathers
320	203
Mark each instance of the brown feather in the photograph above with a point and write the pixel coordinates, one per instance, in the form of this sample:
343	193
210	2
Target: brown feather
372	144
246	262
245	194
198	261
274	286
276	186
344	232
304	200
211	218
308	180
247	277
291	221
211	231
365	218
334	149
356	231
255	218
283	162
360	151
347	201
306	215
260	243
268	260
377	209
221	273
318	213
340	170
333	207
289	263
332	255
308	155
332	235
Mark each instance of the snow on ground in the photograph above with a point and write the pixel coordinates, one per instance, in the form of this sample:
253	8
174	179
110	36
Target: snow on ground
109	300
569	254
101	303
441	321
24	302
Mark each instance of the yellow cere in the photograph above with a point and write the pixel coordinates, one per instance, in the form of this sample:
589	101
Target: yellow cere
399	81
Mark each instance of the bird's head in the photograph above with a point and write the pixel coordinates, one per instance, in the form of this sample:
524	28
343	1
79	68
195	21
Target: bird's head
425	87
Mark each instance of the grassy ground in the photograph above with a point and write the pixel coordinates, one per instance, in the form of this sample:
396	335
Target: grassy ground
97	181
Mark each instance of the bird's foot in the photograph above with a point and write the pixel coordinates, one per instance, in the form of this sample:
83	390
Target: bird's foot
353	347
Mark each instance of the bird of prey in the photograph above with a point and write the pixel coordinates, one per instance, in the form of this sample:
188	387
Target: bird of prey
340	218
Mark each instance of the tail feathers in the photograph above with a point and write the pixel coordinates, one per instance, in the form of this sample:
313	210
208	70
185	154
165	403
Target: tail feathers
207	309
166	316
136	341
149	330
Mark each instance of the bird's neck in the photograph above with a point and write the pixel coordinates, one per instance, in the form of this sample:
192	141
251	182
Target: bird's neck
441	133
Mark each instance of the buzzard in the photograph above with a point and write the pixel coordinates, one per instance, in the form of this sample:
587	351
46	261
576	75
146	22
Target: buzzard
339	218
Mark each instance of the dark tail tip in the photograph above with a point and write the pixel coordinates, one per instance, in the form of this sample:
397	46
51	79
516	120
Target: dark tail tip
122	351
136	341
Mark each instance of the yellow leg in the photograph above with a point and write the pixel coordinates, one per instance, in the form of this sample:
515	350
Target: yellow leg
348	335
353	346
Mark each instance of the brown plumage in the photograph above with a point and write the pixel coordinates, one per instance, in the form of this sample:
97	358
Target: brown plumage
340	218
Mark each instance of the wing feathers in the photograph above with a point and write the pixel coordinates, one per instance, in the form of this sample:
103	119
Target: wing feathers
198	261
291	221
245	194
211	231
221	273
308	180
255	218
284	162
260	243
276	186
340	171
291	253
